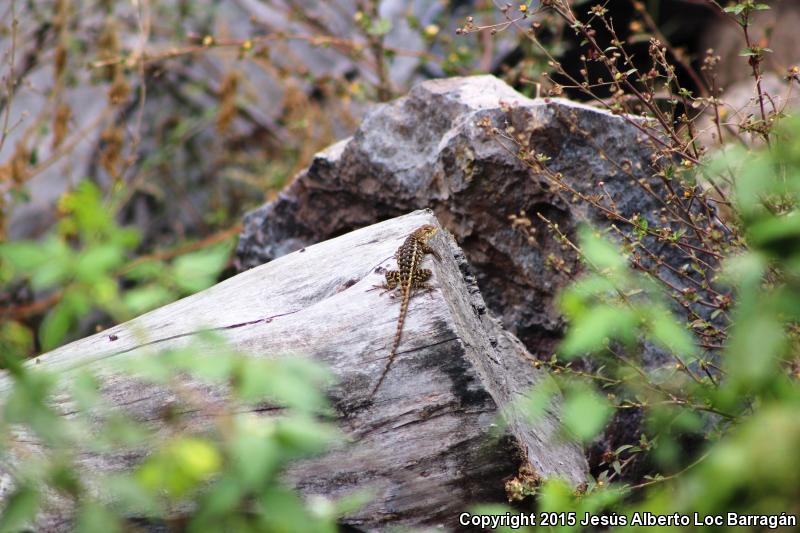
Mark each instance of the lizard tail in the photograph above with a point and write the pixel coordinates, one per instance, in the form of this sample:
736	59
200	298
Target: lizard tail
398	333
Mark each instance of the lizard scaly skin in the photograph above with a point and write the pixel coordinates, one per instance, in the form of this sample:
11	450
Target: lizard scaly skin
407	277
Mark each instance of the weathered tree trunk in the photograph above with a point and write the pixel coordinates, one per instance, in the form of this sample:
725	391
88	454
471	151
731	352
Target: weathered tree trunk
423	443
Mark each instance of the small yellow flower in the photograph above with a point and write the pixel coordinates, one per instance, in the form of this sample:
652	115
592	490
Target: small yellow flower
247	45
355	88
208	40
523	8
431	30
359	16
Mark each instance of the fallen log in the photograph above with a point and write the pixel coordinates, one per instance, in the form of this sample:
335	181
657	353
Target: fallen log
424	445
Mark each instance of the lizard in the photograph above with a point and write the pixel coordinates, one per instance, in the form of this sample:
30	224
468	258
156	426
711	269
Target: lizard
407	277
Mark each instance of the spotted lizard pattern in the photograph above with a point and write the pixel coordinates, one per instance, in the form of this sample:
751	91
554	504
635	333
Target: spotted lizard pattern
408	276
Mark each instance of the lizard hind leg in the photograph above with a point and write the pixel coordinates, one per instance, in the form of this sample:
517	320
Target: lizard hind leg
420	279
391	283
392	279
422	275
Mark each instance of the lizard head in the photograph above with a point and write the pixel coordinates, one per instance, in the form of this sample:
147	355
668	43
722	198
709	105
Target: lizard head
424	233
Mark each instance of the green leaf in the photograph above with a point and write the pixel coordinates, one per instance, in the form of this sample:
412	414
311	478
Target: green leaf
347	504
146	270
777	235
594	329
131	496
16	341
145	298
555	496
128	238
282	510
255	454
574	300
687	421
380	27
85	389
744	270
85	203
537	400
180	466
20	509
303	436
56	325
665	331
94	518
28	404
199	270
24	256
212	365
55	270
223	498
623	448
294	382
599	252
98	260
736	10
755	347
585	413
753	183
104	292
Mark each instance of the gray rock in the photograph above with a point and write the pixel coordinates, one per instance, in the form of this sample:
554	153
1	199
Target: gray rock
426	150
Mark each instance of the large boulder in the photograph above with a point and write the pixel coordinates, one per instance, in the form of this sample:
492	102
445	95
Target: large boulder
431	149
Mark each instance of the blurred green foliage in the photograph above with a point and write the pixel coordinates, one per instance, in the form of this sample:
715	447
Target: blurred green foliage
741	406
226	472
83	263
222	475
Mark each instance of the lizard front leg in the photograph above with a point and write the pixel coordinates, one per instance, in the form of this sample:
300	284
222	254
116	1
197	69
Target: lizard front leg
426	248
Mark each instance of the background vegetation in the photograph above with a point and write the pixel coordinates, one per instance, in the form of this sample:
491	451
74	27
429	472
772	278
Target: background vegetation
134	135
